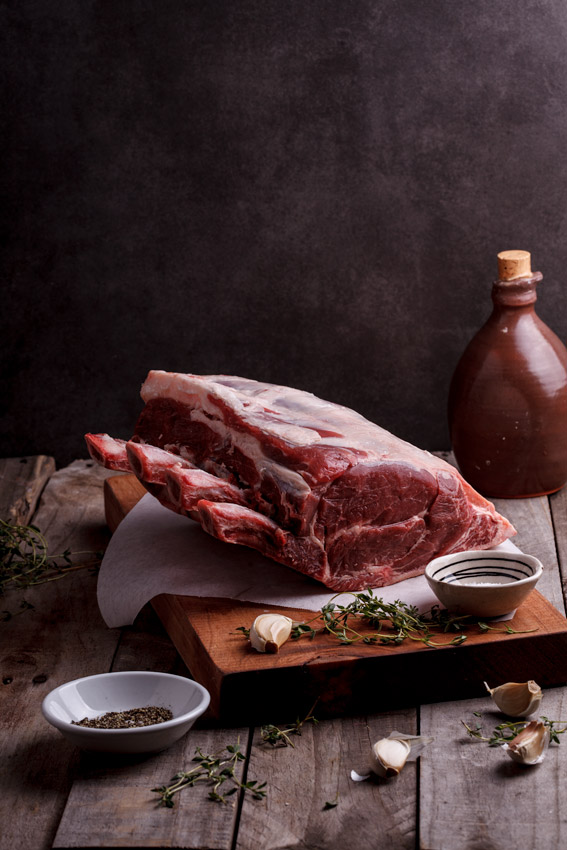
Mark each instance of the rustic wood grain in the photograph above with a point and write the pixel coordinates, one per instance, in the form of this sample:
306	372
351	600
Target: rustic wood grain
473	796
111	803
533	521
147	646
558	505
373	814
22	480
63	638
121	494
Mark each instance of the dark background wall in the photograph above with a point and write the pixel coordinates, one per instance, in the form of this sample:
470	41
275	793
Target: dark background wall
309	192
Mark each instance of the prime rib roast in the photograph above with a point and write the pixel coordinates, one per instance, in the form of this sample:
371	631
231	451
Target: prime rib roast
308	483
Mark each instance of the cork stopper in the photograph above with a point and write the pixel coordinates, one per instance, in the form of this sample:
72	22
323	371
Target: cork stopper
513	264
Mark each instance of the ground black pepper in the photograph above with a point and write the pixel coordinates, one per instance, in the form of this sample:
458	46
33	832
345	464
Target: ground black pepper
145	716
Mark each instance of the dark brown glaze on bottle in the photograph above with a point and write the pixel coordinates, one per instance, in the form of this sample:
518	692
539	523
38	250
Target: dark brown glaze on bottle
508	396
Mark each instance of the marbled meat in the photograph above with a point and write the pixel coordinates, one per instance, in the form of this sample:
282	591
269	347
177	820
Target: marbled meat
308	483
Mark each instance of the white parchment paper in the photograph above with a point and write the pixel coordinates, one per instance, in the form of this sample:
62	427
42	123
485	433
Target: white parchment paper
155	551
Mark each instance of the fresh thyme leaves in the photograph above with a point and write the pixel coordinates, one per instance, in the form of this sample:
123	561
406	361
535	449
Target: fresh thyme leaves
218	772
553	730
300	630
280	737
507	731
8	615
389	623
24	559
484	627
331	804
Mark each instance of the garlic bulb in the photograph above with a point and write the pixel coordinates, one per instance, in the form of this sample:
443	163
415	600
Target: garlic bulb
389	756
270	631
529	746
517	699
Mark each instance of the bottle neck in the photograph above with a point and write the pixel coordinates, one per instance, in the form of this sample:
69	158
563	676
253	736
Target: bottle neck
520	292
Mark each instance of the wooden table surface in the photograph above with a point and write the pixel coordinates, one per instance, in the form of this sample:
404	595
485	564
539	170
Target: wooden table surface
460	794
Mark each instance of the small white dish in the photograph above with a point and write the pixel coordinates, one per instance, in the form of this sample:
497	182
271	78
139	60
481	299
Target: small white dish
483	583
93	696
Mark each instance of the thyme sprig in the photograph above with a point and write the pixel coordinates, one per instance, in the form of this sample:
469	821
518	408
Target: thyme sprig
24	606
216	771
507	731
25	561
392	623
404	622
331	804
280	737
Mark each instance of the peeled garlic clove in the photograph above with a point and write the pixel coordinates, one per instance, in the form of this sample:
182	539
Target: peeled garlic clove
270	631
389	756
517	699
529	746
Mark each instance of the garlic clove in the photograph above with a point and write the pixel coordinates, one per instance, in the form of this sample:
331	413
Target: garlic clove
530	745
389	755
517	699
269	632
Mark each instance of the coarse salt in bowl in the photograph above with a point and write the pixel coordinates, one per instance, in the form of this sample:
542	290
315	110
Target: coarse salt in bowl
483	583
94	696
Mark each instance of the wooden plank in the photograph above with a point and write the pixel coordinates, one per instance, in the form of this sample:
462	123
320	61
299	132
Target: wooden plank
110	803
63	638
466	787
558	505
376	813
147	646
22	480
204	632
475	796
533	521
121	494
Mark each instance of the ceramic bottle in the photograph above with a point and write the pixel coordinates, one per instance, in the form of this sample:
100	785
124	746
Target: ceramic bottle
508	396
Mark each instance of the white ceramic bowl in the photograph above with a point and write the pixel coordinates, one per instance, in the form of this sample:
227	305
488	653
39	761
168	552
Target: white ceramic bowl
484	584
95	695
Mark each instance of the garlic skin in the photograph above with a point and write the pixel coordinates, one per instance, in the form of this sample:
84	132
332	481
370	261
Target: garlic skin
389	755
530	745
517	699
269	632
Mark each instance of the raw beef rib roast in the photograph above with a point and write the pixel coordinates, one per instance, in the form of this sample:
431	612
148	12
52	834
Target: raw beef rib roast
308	483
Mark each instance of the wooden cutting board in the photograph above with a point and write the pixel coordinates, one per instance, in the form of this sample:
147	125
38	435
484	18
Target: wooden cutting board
251	687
